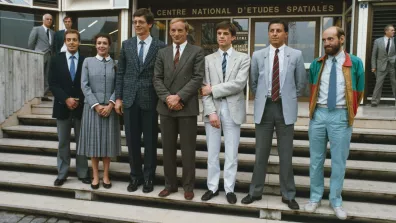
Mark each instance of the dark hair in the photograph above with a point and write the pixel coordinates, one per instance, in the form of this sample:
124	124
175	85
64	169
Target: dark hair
148	15
278	21
67	17
72	31
340	32
104	35
227	25
387	27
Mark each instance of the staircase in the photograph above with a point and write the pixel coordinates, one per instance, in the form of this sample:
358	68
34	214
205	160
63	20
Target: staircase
28	169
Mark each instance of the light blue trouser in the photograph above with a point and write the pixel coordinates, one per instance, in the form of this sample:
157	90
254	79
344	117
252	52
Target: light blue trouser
328	125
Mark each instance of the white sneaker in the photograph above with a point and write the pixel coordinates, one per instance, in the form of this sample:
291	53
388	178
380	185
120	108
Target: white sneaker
340	213
312	206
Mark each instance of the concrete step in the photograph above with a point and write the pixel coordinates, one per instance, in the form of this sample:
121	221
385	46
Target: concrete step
105	212
384	171
363	151
352	188
269	206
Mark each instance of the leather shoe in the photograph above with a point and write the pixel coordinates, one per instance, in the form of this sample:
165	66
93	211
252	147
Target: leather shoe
209	195
189	195
107	186
292	204
249	199
133	185
46	99
95	187
86	180
59	182
148	186
231	198
166	192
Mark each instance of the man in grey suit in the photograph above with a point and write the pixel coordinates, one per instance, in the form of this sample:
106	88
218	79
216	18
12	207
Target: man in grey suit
59	37
178	74
383	63
41	39
277	78
224	108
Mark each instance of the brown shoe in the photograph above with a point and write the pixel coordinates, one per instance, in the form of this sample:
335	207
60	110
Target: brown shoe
166	192
189	195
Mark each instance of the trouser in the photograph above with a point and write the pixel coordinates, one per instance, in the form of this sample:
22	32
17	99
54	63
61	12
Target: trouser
47	61
380	77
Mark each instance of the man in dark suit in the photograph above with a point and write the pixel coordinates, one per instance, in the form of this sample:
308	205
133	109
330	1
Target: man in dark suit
136	94
41	39
178	74
59	37
65	84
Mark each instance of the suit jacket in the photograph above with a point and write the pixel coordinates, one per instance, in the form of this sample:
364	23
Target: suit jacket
38	39
292	82
380	58
184	81
232	88
59	40
135	83
62	87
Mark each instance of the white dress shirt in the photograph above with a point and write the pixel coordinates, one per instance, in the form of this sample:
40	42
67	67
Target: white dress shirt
147	44
386	42
68	55
64	47
181	49
325	80
49	36
100	58
229	52
281	56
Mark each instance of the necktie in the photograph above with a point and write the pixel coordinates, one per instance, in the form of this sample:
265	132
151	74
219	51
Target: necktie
224	65
387	46
275	78
72	67
177	56
141	52
332	95
48	36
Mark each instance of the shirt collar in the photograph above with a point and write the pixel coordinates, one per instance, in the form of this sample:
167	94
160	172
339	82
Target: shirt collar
386	38
45	28
101	58
181	45
229	52
280	48
68	55
339	56
147	41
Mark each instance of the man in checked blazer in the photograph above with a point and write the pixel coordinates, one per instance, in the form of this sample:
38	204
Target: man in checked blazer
136	100
178	74
224	108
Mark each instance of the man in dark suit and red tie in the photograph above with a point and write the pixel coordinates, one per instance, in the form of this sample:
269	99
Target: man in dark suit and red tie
136	100
65	84
178	74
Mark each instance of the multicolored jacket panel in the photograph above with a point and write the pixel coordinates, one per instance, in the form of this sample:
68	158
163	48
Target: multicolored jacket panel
354	83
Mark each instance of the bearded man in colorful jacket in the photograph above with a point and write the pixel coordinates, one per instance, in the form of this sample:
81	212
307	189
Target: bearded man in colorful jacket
337	85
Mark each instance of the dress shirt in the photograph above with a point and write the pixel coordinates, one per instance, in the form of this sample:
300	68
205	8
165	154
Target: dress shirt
68	55
281	55
64	47
49	34
229	52
386	42
325	80
181	49
146	47
100	58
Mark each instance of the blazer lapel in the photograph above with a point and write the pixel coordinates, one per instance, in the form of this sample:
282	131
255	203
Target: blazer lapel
151	52
230	65
219	71
286	57
66	67
266	65
79	67
135	57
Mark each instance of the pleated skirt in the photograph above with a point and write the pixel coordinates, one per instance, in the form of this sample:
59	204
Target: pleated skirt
99	136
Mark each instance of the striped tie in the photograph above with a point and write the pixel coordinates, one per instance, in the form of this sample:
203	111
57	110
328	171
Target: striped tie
275	77
224	65
177	56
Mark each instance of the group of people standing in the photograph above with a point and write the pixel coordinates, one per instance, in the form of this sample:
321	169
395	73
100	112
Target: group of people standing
153	79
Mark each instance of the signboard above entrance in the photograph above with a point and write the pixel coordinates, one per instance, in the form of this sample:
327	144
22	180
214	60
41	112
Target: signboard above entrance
249	10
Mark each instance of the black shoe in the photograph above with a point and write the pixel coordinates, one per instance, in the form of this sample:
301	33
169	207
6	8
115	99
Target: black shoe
249	199
148	186
46	99
59	182
107	186
86	180
95	187
209	195
374	105
292	204
133	185
231	198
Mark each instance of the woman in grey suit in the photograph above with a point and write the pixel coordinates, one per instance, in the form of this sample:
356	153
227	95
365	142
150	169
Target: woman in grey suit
100	135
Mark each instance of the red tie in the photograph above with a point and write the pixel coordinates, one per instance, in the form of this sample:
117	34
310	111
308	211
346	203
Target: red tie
177	56
275	77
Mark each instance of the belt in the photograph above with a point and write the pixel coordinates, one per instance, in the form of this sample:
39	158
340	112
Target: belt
325	106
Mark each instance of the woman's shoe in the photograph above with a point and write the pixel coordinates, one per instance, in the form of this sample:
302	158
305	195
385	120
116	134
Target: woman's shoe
107	186
95	187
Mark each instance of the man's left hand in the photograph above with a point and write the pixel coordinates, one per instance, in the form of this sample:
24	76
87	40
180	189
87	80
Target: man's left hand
206	90
172	100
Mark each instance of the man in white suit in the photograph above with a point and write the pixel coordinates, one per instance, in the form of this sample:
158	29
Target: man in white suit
277	77
226	73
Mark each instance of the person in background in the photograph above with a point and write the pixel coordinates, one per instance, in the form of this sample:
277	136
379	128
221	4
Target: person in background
59	37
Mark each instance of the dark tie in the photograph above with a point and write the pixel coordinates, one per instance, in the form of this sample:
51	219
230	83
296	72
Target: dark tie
332	95
72	68
141	52
275	78
224	65
177	56
48	35
387	46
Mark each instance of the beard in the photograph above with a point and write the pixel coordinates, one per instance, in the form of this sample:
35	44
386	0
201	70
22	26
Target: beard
333	50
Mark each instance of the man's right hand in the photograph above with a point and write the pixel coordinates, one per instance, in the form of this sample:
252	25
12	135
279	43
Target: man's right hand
98	109
214	120
71	103
118	106
373	70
